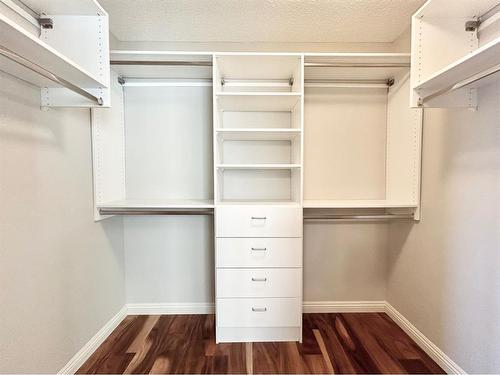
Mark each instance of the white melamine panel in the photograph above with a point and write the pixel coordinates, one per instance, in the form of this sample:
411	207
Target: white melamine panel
258	134
345	143
259	312
404	138
169	142
66	7
256	152
108	149
258	101
258	334
258	221
233	119
360	203
159	203
255	185
259	283
258	252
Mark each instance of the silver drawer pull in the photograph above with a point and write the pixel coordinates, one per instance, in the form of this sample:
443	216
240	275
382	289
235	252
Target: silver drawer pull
259	309
259	218
259	278
259	248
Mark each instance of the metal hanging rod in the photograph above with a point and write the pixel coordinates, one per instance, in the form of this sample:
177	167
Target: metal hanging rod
153	211
349	82
468	81
355	65
475	24
358	217
161	63
45	73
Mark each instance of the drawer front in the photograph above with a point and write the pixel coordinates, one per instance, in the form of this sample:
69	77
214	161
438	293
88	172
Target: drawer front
258	312
259	283
258	221
258	252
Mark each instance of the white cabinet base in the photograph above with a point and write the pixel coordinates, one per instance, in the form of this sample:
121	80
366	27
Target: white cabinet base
252	334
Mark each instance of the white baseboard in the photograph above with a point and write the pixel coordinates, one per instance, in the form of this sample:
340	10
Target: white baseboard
423	342
194	308
308	307
91	346
343	306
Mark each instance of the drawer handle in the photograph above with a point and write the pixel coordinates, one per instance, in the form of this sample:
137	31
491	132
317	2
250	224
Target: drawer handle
259	278
259	248
259	309
259	218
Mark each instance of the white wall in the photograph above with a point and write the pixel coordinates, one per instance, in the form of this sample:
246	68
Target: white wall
61	274
443	273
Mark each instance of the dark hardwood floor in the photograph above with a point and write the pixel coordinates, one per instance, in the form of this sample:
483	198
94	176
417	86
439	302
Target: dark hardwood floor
332	343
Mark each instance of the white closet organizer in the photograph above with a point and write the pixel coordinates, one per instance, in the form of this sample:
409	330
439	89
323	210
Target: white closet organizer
61	47
362	142
455	50
236	135
258	106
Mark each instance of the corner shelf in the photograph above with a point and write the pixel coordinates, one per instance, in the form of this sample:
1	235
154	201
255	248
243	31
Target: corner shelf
258	101
23	43
258	134
357	203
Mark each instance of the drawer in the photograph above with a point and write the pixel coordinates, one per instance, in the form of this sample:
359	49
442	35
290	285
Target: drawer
258	252
259	221
258	312
259	283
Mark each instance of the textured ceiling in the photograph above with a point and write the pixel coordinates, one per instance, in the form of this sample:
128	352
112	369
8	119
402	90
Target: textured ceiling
260	20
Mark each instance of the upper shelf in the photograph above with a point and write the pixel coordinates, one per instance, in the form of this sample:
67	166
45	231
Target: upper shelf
358	203
18	40
66	7
476	62
258	101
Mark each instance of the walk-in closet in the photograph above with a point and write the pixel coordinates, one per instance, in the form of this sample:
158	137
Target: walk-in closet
249	186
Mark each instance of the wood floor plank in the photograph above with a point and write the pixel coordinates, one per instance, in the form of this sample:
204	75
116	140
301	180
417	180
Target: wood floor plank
332	343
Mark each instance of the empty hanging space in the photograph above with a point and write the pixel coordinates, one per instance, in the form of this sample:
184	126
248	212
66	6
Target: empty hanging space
361	142
163	112
258	132
470	30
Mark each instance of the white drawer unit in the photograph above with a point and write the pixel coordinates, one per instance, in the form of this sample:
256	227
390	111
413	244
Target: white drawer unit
258	221
258	252
259	283
258	312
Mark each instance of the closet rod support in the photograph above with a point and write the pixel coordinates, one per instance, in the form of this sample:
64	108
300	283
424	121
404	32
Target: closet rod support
161	63
50	76
476	23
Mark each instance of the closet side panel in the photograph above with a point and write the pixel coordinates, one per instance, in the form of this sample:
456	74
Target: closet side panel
108	149
404	144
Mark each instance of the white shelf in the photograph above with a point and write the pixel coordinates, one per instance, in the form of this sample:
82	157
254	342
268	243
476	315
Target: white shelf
359	203
159	204
257	203
258	166
478	61
258	134
23	43
258	101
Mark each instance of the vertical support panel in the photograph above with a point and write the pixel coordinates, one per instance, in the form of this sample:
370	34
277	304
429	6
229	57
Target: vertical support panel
404	146
108	149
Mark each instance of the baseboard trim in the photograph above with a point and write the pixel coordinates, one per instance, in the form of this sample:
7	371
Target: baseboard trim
420	339
423	342
343	306
91	346
171	308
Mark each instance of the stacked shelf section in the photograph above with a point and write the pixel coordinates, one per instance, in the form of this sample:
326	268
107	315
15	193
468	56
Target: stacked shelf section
258	102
